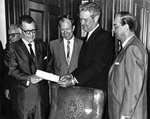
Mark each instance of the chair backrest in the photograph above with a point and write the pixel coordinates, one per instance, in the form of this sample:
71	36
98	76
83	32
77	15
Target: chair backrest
76	103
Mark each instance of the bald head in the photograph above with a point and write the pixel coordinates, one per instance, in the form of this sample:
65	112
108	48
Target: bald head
13	28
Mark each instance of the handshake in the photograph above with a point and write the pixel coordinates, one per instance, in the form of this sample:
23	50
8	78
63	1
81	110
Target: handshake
67	80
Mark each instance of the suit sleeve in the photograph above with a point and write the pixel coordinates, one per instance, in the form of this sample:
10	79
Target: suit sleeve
11	62
135	69
49	60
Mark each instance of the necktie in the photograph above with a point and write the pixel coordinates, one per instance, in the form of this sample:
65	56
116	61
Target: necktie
85	39
120	46
68	52
31	51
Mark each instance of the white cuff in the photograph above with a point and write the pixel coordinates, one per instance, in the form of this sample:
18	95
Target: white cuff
124	117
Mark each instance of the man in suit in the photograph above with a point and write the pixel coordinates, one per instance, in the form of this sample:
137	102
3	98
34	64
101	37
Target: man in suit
13	35
96	55
29	93
64	55
127	90
1	79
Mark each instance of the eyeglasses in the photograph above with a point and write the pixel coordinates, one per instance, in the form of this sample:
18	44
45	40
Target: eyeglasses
13	34
33	31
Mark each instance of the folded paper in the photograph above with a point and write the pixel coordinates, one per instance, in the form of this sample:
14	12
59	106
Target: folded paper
47	76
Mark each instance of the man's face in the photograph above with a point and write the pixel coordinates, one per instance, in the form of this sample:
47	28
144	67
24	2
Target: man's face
28	31
118	29
88	23
66	29
14	37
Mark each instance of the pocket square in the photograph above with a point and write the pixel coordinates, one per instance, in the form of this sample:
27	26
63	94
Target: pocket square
117	63
45	57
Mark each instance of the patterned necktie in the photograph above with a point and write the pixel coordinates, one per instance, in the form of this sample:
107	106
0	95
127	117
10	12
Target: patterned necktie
31	51
68	53
120	46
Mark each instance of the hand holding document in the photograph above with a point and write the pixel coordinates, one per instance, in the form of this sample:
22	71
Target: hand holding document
47	76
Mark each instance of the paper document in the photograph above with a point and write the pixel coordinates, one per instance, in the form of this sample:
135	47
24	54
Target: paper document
47	76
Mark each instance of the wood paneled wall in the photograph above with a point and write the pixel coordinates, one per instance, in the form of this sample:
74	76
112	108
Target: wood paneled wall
141	9
45	13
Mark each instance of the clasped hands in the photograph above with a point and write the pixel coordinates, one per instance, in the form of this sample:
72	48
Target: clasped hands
66	80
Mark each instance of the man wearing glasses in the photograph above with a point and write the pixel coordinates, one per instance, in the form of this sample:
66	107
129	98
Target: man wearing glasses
29	93
13	33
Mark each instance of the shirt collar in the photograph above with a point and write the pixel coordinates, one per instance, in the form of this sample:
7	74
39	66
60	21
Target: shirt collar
90	32
26	43
71	40
123	44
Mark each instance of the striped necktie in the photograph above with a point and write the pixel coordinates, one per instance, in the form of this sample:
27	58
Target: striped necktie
68	53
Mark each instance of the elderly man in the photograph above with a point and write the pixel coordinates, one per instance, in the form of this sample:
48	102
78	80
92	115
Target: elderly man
13	33
96	55
127	80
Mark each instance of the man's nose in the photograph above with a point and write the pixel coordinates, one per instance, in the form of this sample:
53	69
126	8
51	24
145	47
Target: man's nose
31	33
65	32
82	22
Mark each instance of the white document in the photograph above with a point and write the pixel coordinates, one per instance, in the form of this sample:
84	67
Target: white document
47	76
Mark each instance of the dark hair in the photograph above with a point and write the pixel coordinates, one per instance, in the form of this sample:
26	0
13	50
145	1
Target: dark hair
27	19
62	18
92	7
128	18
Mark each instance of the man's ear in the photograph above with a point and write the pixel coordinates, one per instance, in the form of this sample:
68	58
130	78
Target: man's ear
19	29
96	18
73	27
126	27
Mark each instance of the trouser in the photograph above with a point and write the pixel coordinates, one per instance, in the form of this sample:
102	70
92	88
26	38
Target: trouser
38	112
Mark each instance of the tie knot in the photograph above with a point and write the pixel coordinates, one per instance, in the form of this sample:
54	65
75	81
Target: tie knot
86	36
68	41
29	44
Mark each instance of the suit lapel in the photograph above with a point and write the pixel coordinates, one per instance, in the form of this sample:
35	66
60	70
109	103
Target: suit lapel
121	54
62	51
74	52
27	54
24	48
91	39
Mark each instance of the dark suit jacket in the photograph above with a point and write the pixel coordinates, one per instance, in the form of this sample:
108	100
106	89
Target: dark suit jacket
59	58
21	66
95	59
127	85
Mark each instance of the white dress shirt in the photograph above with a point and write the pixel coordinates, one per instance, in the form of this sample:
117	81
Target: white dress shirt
33	48
91	32
26	44
125	42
